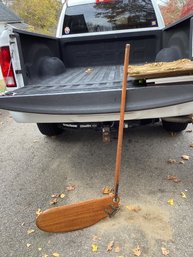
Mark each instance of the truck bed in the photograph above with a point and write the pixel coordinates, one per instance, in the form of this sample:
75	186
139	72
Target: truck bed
98	78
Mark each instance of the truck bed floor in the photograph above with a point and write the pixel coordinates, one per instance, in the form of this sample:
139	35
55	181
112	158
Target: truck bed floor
79	80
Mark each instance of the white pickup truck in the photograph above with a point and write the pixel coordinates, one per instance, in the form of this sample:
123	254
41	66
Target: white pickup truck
74	79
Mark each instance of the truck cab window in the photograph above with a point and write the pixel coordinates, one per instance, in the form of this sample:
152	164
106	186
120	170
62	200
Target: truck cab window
109	15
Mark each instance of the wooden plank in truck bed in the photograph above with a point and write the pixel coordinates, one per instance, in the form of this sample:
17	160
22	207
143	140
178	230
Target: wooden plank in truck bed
161	69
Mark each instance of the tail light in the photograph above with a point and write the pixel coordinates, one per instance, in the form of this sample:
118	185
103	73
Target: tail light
6	67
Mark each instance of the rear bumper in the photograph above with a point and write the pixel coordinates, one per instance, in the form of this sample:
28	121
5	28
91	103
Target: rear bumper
170	111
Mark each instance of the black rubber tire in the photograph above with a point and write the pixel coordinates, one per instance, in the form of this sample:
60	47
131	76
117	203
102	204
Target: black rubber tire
167	55
49	129
174	126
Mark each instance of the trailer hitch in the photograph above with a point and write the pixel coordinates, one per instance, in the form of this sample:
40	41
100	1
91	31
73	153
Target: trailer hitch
106	135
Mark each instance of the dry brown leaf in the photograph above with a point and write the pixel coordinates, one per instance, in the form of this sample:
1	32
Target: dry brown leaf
94	238
133	208
54	201
137	251
183	195
56	254
55	195
110	246
30	231
106	190
94	248
89	70
171	202
173	178
191	145
38	212
117	249
172	134
70	187
62	196
185	157
171	161
165	251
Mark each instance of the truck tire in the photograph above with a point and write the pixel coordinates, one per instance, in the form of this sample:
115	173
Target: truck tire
49	129
168	55
174	126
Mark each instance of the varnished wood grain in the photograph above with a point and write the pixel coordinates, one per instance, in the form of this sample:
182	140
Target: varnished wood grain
75	216
121	120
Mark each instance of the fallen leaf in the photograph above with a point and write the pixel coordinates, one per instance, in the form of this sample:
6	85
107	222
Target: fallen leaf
55	195
28	245
38	212
106	190
137	251
30	231
110	246
70	187
171	161
89	70
94	238
133	208
117	249
183	195
23	224
181	162
62	196
191	145
173	178
189	130
54	201
171	202
94	248
185	157
56	254
165	251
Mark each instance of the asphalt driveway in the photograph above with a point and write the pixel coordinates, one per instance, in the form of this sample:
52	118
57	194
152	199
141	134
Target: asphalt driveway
34	167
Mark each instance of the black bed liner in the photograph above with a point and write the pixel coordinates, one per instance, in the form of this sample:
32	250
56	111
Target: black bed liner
79	79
